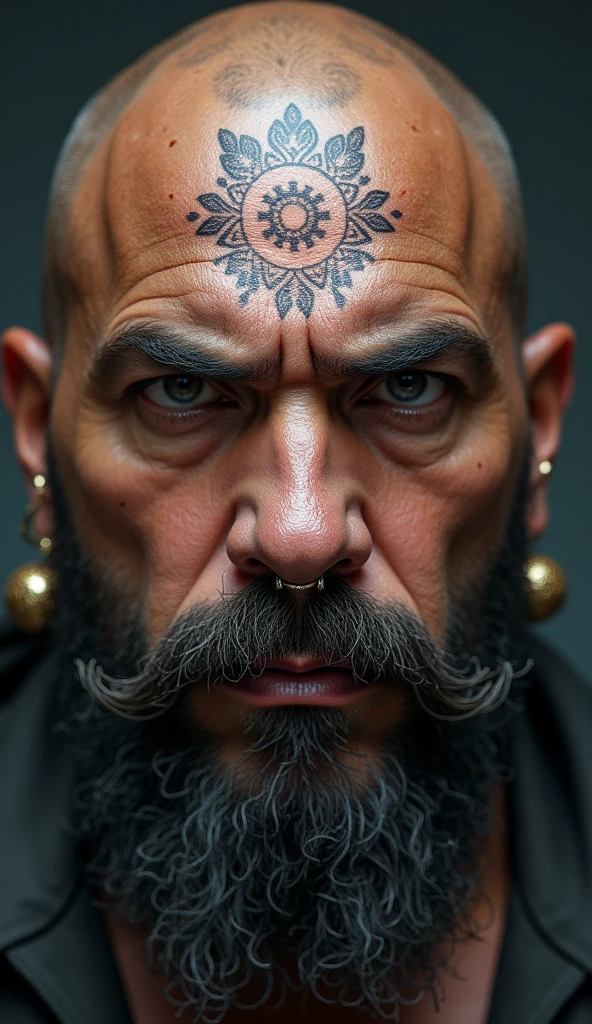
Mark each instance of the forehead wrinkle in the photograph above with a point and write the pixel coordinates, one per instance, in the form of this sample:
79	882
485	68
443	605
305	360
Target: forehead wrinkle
130	285
184	290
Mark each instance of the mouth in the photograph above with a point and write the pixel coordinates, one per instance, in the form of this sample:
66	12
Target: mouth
300	681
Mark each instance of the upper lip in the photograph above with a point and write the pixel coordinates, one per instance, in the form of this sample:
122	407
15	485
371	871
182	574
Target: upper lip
299	665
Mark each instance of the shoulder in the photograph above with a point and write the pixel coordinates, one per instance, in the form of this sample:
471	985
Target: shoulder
561	691
551	811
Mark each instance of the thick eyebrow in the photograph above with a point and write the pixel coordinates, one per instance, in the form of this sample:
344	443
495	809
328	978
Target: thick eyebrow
416	345
167	349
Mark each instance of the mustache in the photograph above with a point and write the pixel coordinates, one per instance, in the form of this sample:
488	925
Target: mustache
222	642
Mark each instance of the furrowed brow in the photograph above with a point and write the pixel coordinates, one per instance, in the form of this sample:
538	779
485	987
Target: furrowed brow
169	352
420	345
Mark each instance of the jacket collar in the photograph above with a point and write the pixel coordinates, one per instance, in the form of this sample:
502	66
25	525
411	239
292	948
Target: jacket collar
547	949
551	809
38	863
49	929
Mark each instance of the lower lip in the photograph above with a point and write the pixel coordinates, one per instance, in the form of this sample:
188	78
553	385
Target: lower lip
327	687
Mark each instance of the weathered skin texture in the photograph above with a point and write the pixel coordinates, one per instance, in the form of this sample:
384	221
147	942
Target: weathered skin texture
298	474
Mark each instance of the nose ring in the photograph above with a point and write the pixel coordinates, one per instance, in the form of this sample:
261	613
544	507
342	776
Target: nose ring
281	583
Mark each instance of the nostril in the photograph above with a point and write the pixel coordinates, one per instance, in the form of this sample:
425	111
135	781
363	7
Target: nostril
342	567
256	567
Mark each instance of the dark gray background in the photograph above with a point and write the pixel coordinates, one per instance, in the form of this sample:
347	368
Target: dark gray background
528	61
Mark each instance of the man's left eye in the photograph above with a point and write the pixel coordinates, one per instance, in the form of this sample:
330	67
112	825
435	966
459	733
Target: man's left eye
180	391
413	388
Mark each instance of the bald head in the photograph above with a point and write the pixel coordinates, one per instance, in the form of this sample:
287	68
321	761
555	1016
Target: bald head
329	63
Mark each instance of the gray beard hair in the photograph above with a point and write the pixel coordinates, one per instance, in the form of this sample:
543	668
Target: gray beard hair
363	881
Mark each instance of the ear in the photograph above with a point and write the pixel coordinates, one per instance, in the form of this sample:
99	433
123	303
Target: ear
548	370
26	390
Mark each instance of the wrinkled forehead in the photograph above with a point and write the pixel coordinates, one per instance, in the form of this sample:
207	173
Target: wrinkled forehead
287	205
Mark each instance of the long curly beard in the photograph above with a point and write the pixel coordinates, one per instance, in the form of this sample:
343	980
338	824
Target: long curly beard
363	882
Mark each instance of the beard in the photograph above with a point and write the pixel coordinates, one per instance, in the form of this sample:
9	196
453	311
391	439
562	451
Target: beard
360	876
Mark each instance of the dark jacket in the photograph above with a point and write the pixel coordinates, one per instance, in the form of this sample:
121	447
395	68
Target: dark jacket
55	961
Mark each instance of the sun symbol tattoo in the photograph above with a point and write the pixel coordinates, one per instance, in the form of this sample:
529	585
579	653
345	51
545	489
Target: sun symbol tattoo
294	219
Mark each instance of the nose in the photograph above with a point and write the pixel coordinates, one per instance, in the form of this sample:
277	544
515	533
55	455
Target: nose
299	515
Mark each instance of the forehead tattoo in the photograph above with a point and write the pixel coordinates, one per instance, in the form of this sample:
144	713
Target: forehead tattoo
297	219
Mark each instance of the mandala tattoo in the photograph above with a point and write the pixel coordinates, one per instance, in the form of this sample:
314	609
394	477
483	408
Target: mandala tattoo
294	219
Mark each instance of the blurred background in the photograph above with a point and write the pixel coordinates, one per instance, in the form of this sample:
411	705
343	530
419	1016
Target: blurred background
527	59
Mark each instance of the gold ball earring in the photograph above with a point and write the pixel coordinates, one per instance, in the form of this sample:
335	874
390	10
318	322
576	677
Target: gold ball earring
30	589
546	587
544	580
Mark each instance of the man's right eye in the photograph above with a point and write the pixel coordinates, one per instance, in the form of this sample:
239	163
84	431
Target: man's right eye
180	391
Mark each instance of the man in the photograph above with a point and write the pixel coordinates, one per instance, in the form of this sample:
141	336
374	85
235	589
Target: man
288	750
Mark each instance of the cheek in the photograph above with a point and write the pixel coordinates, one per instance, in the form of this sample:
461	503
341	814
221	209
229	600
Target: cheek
482	527
408	561
430	525
185	531
155	528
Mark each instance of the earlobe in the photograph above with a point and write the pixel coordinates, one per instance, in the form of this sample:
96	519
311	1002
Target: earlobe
548	371
26	390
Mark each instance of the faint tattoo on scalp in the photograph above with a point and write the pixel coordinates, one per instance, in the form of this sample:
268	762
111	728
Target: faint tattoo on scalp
202	54
280	51
295	219
247	83
370	53
299	56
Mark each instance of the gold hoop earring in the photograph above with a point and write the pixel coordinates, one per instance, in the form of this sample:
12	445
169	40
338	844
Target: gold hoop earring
30	589
545	584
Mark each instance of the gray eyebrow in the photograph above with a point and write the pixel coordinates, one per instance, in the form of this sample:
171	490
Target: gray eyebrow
168	351
417	345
